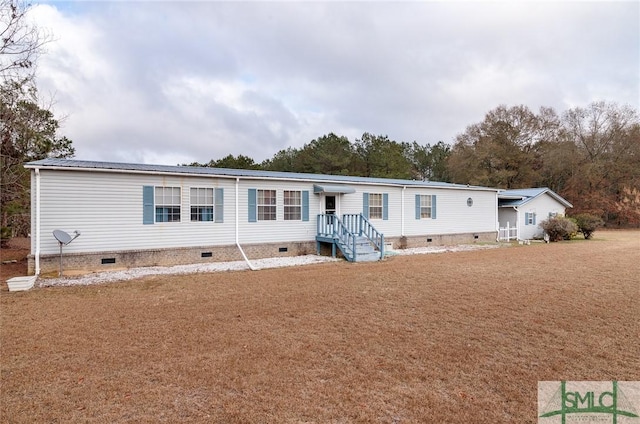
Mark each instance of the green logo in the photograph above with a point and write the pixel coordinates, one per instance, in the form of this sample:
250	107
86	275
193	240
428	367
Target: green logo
587	402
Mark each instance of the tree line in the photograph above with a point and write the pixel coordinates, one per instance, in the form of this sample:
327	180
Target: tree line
589	155
369	156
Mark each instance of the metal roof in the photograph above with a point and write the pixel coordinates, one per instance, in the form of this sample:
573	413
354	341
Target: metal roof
519	197
72	164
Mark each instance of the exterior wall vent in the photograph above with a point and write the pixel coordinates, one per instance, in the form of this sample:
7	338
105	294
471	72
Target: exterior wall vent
206	254
283	249
429	240
106	261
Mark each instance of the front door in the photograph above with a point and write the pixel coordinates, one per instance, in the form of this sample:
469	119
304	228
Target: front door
330	205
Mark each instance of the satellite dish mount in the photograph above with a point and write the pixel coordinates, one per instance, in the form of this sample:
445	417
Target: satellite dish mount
63	239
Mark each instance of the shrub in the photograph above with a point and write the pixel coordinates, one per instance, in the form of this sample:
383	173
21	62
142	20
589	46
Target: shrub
5	235
587	224
559	228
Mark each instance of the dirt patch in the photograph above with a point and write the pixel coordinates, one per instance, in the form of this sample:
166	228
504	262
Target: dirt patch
452	337
13	259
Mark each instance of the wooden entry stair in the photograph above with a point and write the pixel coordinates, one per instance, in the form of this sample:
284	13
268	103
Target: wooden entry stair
354	235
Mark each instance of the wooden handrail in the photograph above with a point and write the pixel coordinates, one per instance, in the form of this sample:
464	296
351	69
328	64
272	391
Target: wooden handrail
359	224
332	227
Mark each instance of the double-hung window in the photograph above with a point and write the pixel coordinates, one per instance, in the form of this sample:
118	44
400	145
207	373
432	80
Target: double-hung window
167	204
292	205
425	206
201	204
375	205
266	205
262	205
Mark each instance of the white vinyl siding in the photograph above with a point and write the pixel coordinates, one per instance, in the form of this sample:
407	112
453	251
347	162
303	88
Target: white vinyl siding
453	216
533	212
113	220
279	230
108	208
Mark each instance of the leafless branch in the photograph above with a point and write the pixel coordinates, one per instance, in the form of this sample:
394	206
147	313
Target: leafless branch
20	41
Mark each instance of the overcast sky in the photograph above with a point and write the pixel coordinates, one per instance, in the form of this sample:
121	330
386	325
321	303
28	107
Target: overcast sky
177	82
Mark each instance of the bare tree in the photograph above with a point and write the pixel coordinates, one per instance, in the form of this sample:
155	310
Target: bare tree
21	40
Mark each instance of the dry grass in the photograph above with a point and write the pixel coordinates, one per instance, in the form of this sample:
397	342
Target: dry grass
457	337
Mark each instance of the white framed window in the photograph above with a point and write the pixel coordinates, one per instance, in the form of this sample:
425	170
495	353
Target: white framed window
167	204
375	205
292	205
266	205
425	206
202	204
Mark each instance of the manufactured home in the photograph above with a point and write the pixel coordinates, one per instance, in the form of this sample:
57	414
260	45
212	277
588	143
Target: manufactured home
521	211
142	215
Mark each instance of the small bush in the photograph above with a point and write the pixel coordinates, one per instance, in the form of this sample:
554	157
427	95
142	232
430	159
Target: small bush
559	228
5	235
588	224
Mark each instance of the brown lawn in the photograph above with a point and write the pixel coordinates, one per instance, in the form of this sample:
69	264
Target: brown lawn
442	338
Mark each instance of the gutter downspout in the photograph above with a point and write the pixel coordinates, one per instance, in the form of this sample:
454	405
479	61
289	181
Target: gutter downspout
37	219
515	208
497	218
251	267
402	213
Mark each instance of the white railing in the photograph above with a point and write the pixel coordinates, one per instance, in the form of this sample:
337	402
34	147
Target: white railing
508	233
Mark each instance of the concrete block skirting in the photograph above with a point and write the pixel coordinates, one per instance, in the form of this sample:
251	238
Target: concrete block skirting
441	240
112	260
104	261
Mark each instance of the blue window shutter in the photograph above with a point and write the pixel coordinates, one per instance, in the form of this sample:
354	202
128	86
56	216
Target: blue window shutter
526	218
385	206
253	205
147	205
219	205
365	205
433	206
418	206
305	205
534	218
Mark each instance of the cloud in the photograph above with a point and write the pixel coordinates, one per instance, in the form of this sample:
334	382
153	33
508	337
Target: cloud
179	82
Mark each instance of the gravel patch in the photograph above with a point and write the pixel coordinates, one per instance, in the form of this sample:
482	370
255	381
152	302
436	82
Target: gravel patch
442	249
133	273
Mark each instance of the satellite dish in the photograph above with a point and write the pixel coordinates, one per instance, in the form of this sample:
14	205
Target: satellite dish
62	236
63	239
